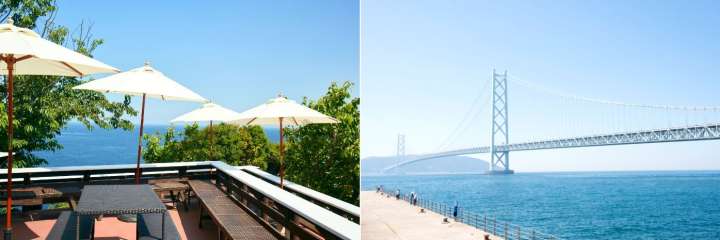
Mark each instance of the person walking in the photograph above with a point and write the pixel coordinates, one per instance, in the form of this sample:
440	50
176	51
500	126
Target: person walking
397	194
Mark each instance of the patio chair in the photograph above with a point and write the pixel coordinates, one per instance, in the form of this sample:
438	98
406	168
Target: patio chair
149	227
65	227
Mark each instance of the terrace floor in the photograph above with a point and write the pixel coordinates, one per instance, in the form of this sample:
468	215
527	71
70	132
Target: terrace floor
110	228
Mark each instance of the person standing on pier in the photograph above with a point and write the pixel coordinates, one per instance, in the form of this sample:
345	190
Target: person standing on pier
455	210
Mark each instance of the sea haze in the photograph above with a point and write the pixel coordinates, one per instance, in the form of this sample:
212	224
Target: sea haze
100	146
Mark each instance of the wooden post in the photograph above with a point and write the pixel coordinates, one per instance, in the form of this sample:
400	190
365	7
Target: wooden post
10	62
210	141
282	155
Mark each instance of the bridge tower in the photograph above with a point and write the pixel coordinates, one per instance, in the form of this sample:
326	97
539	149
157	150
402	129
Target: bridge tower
499	160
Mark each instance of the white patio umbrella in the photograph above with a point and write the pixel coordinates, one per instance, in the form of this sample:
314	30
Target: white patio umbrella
144	81
208	113
282	112
24	52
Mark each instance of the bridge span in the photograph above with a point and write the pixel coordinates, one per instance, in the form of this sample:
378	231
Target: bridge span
692	133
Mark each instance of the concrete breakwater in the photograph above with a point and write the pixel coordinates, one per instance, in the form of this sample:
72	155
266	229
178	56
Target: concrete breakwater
385	217
453	218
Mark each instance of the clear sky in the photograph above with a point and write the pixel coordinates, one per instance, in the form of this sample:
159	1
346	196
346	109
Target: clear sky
236	53
424	62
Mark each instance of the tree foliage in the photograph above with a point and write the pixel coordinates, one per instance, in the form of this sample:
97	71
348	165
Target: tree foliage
44	105
326	157
231	144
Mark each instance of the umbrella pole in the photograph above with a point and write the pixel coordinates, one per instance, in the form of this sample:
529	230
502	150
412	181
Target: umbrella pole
210	140
282	155
10	62
139	152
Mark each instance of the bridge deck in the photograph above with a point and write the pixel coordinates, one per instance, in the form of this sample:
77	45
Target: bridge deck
679	134
390	219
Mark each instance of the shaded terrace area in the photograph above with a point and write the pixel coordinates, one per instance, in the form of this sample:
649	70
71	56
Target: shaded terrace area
295	213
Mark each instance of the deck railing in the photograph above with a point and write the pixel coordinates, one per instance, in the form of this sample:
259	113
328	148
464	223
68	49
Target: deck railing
347	210
285	212
486	223
105	173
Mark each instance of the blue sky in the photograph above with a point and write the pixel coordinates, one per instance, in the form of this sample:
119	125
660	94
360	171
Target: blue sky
424	62
236	53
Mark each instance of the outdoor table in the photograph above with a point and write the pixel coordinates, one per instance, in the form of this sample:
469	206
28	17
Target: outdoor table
175	188
120	199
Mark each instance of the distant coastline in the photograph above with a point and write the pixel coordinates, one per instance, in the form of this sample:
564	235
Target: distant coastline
374	166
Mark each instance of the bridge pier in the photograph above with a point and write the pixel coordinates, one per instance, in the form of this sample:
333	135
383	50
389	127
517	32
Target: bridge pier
500	172
499	162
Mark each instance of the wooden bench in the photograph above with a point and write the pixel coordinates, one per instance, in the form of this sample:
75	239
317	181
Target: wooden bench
149	227
232	220
66	227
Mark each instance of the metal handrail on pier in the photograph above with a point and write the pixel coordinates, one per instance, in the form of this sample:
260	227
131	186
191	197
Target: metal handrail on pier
486	223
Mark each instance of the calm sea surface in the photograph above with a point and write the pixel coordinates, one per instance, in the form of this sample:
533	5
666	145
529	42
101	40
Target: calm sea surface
603	205
99	146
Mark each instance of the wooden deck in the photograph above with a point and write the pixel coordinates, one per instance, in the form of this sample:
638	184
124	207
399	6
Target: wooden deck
389	219
234	222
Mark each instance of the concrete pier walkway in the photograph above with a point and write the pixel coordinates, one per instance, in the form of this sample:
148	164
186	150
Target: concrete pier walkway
385	218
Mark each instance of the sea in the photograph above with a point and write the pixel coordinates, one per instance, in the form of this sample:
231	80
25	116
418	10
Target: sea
82	147
581	205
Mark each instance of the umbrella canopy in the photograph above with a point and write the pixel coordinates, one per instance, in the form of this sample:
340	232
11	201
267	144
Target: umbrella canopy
282	112
141	81
209	112
146	82
24	52
278	108
43	57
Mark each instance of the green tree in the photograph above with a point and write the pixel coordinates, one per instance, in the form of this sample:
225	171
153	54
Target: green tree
44	105
231	144
326	157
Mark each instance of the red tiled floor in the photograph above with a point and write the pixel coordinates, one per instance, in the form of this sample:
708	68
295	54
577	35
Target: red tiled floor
109	228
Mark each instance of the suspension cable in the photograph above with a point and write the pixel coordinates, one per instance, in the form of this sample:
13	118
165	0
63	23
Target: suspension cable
470	115
608	102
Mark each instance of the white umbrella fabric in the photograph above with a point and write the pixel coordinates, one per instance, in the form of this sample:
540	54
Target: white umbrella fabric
24	52
144	81
208	113
281	112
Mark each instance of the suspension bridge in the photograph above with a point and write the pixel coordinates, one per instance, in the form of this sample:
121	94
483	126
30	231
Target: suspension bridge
500	146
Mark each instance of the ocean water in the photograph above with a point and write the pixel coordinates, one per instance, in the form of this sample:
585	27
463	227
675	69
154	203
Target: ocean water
100	146
597	205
